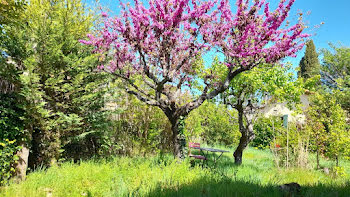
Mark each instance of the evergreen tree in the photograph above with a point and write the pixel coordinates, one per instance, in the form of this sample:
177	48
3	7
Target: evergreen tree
309	64
64	93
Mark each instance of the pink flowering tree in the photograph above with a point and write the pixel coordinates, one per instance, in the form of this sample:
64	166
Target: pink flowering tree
255	36
154	48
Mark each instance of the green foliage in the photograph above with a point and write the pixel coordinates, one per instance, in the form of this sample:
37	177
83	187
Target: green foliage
266	80
10	10
326	124
336	73
11	132
213	124
8	158
265	130
139	129
65	95
309	64
339	171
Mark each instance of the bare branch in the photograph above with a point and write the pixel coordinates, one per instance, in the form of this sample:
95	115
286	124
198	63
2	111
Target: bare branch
130	82
146	67
142	98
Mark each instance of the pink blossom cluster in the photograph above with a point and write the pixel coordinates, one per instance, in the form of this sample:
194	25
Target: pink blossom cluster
254	34
163	39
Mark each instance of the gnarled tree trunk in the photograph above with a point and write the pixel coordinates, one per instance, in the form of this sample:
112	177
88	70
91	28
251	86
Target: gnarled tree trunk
246	129
176	117
176	138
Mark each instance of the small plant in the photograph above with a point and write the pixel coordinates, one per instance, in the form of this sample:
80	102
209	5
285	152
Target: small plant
338	171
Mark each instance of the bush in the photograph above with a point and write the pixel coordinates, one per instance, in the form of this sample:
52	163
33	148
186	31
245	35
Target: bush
264	131
213	124
11	132
8	157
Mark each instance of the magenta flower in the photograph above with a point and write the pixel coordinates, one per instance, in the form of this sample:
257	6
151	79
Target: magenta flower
104	14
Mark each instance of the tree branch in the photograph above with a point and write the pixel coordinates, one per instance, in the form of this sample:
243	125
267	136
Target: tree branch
130	82
145	67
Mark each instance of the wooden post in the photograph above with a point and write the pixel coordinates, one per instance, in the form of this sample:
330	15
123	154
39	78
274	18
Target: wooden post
287	146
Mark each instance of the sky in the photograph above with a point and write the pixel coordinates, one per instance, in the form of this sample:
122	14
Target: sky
334	15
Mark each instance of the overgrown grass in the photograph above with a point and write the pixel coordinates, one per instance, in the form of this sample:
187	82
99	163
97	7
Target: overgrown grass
162	176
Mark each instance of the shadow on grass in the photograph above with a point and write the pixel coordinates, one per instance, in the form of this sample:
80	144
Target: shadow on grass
223	185
212	188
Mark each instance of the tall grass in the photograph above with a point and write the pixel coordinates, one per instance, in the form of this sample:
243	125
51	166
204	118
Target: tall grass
163	176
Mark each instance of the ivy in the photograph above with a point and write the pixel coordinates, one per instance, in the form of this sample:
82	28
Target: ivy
11	132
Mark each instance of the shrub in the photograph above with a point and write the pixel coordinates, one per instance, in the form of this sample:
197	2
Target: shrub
213	124
264	131
11	132
8	157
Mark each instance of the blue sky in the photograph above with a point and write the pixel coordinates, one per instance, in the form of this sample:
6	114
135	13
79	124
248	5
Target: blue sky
335	15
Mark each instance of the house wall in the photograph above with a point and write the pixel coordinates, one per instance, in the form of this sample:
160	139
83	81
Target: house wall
280	109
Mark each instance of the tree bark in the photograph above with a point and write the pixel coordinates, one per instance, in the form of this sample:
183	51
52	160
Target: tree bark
317	158
22	164
176	117
176	140
246	131
337	160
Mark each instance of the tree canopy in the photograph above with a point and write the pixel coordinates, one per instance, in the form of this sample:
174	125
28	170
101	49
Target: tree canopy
160	44
309	64
336	73
250	91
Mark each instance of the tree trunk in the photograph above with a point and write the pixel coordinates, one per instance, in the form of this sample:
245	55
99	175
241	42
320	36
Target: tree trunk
247	134
176	138
337	161
243	143
246	138
317	158
22	164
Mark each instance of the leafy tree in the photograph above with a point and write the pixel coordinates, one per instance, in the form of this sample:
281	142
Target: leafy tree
10	11
11	15
309	64
326	124
65	95
12	115
336	73
154	49
248	92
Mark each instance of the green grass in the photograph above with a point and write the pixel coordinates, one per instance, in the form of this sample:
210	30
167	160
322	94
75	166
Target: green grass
157	176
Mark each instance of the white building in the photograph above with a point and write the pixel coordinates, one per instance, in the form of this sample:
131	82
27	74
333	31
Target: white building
282	109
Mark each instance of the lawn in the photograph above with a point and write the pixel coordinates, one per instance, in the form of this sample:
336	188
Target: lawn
162	176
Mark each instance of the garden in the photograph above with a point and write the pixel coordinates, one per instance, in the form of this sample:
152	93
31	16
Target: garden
172	98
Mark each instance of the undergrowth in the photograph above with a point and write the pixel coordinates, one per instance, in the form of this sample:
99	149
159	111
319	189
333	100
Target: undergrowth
163	176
